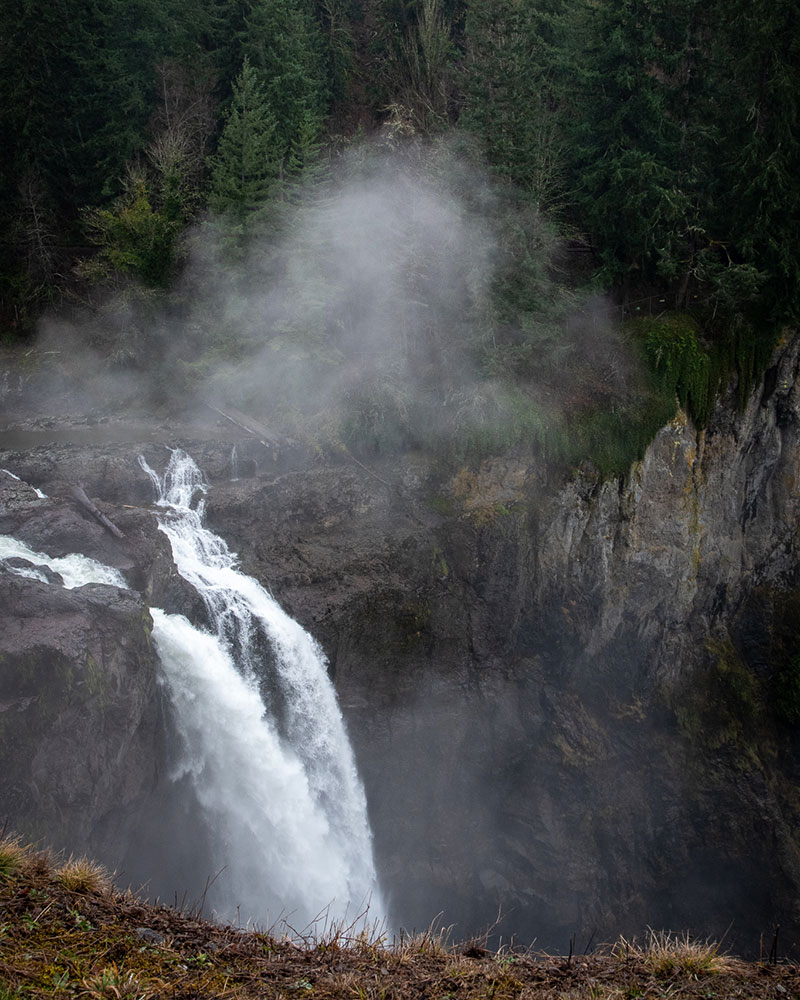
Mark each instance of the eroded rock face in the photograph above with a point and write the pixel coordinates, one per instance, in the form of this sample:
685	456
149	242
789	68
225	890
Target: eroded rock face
568	701
80	725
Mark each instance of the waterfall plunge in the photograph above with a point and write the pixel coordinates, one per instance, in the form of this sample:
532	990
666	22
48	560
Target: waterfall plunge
262	739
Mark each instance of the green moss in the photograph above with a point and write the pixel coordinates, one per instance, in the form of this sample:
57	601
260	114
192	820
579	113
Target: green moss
694	363
443	505
612	440
440	564
95	680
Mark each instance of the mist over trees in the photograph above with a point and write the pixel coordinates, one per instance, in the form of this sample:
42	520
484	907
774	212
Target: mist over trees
658	142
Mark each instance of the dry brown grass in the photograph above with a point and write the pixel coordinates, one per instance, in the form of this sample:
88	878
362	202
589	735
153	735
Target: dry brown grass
60	943
666	954
14	856
436	940
115	985
84	875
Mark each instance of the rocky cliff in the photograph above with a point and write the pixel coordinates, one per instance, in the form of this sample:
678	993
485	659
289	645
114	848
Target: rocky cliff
575	703
80	722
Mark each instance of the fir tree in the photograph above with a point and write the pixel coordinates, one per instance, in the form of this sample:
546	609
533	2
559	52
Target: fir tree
512	86
625	142
283	42
246	167
757	115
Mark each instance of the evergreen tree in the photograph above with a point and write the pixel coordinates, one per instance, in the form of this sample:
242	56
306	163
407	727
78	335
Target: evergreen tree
78	87
338	44
513	91
303	163
628	184
757	116
246	168
685	152
283	42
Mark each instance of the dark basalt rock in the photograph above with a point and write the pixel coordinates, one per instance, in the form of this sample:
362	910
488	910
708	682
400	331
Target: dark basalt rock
32	570
80	722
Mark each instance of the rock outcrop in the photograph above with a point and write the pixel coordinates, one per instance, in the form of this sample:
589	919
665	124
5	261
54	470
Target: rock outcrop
80	722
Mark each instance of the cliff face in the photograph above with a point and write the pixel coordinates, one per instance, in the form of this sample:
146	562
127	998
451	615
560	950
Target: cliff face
80	723
567	705
573	703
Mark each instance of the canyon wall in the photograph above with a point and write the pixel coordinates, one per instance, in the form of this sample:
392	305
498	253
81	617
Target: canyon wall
573	704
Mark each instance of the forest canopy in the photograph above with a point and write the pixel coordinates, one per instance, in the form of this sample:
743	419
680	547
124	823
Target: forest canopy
657	142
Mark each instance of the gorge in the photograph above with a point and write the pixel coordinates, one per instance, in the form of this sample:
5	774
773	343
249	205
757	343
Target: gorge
568	702
399	474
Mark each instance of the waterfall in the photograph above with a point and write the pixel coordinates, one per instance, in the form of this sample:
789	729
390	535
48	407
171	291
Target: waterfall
262	739
258	734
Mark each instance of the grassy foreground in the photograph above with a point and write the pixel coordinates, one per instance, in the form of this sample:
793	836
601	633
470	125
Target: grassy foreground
66	932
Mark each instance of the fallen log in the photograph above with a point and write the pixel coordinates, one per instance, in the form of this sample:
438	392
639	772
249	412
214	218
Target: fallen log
245	423
77	493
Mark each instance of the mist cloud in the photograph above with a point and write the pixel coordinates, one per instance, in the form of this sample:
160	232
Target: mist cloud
403	301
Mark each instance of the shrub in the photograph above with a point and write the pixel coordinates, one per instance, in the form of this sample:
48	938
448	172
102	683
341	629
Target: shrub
612	440
679	362
135	237
377	416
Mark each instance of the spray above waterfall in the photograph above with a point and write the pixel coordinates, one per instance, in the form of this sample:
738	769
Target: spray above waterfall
262	739
405	302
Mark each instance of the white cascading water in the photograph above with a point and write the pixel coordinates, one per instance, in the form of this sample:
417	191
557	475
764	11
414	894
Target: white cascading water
263	739
74	570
